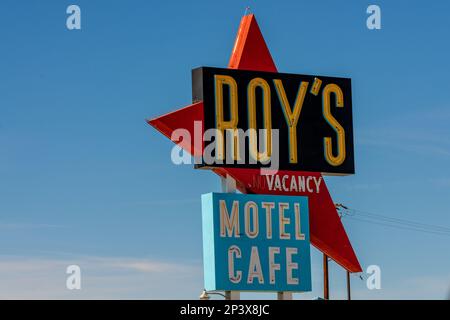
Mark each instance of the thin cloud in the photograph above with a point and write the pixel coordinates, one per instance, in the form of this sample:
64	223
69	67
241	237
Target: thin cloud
424	132
101	278
13	225
167	202
395	142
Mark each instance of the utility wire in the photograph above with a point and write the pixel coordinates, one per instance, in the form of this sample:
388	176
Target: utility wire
399	221
383	220
400	226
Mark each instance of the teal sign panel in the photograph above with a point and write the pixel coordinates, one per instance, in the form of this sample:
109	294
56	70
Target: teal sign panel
256	242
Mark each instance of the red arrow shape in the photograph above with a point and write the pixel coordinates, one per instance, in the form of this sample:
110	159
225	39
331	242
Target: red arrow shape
326	229
250	52
183	118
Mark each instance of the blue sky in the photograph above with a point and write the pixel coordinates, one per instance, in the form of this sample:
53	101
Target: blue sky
85	180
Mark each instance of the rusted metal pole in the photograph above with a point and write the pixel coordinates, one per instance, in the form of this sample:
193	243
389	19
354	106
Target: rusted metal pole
326	293
349	296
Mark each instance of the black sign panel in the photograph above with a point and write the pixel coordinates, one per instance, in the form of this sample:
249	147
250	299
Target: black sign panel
307	120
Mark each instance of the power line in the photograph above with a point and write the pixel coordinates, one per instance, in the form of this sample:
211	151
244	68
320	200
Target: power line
400	221
400	227
383	220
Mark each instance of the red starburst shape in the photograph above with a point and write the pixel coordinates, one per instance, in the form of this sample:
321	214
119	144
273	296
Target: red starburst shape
250	52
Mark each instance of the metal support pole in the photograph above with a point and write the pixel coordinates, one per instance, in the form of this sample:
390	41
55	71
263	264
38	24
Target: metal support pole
326	293
284	295
349	297
232	295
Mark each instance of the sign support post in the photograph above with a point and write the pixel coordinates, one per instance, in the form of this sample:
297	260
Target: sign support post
284	295
349	297
326	292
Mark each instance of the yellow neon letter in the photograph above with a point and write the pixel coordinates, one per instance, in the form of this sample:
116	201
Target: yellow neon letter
340	157
251	93
292	116
221	124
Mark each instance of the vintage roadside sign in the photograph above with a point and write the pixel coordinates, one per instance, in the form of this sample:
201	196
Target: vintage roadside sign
312	115
256	242
250	52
